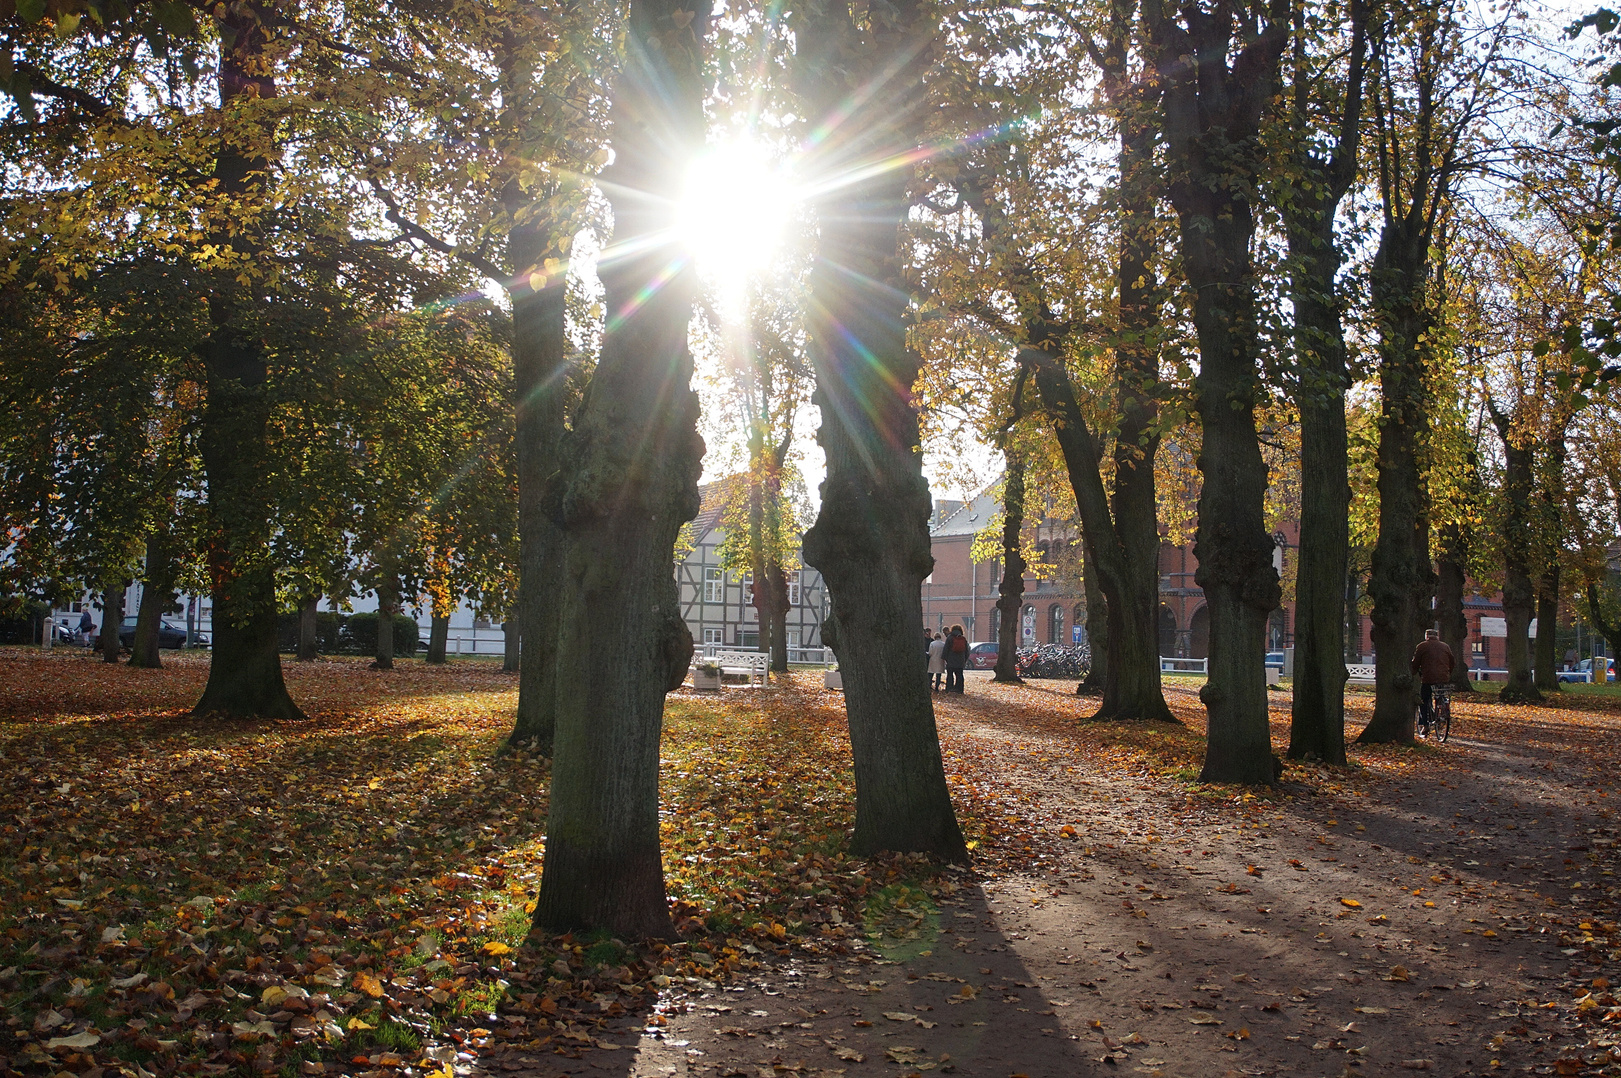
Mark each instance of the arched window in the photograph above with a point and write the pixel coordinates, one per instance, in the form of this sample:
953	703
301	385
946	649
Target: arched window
1055	625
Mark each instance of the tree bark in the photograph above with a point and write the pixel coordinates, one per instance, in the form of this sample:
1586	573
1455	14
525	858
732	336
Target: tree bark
1097	625
1353	617
388	604
778	582
308	626
1011	590
871	538
1211	119
633	459
112	619
539	364
1314	193
1547	647
1401	581
1519	590
1450	581
244	671
511	643
157	593
438	639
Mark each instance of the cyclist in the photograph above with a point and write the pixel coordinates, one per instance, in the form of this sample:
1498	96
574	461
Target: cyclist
1432	662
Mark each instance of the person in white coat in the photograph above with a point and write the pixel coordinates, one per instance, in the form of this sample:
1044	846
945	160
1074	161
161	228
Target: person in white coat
937	659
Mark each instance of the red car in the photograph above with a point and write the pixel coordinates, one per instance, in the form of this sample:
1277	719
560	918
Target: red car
982	656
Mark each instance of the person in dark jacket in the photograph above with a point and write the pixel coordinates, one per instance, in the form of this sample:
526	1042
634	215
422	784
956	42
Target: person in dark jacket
956	658
1432	662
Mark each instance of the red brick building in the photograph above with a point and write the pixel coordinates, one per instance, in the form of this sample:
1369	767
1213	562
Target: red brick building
964	591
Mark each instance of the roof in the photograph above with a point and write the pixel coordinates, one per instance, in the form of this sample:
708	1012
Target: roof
713	504
972	518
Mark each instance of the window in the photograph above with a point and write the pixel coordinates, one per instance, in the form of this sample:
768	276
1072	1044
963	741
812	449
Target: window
482	623
717	637
793	590
1055	624
748	589
748	640
1477	646
714	585
793	639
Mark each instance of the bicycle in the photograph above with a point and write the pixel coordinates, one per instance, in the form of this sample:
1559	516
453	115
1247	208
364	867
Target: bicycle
1441	710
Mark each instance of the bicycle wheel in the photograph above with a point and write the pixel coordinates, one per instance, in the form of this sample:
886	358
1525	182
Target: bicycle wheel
1443	718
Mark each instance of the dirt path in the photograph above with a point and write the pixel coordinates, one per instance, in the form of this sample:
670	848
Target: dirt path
1401	916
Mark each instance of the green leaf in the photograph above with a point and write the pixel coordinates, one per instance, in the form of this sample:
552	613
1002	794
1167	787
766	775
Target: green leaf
31	10
175	18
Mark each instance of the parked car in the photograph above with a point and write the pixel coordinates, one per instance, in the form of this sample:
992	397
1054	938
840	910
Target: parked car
982	656
168	635
1586	667
1275	658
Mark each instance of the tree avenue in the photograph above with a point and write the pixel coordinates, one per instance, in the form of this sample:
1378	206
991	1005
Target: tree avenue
312	304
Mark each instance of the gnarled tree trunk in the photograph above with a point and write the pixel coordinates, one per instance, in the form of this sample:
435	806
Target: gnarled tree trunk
871	538
630	481
1211	120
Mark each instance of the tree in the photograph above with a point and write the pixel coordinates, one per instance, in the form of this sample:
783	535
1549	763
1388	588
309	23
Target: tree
1428	101
870	541
762	514
632	462
1322	132
1218	65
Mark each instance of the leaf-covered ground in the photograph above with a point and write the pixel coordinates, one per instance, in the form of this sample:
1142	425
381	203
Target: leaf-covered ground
351	894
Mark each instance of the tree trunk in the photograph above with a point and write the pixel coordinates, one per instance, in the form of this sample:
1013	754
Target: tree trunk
438	639
540	360
1400	582
1215	99
388	604
1097	625
871	538
308	622
1519	591
1610	630
778	581
112	619
1132	689
244	671
1353	617
1450	581
157	593
510	646
1547	647
632	459
1317	721
1011	599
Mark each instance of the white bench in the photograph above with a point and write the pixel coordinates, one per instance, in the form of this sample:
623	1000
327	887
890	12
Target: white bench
756	664
1360	675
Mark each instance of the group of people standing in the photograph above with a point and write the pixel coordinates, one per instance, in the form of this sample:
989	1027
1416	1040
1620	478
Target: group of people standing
948	655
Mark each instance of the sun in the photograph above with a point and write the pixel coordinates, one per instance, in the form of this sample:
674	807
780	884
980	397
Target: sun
734	212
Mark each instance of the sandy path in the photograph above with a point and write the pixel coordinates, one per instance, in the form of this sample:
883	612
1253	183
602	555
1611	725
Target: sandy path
1180	934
